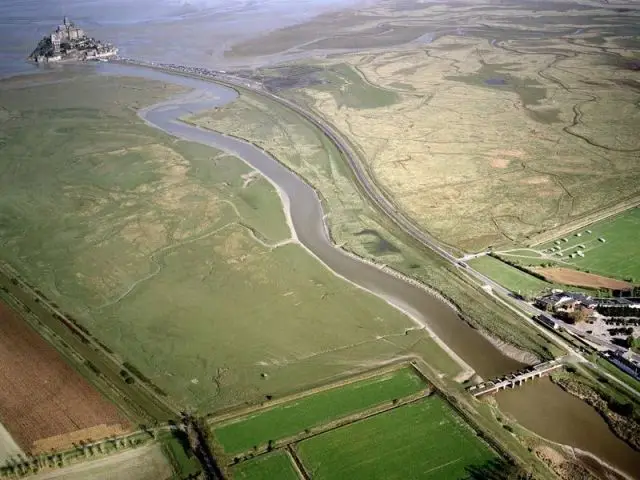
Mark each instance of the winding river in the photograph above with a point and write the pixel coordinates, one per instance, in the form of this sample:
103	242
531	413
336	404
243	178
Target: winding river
545	410
306	218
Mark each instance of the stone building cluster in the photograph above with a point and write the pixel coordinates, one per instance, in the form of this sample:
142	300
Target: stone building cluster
67	33
69	42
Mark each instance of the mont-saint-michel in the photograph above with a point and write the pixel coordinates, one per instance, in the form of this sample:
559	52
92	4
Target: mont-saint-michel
70	43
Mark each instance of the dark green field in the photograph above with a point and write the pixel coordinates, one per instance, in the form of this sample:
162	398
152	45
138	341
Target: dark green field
610	248
425	439
293	417
272	466
182	460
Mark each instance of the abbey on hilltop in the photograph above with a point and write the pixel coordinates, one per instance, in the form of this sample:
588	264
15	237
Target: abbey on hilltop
69	42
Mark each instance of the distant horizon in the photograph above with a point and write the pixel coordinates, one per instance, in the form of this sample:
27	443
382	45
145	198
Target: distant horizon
129	24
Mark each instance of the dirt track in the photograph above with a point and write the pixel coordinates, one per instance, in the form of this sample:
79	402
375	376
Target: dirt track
41	396
567	276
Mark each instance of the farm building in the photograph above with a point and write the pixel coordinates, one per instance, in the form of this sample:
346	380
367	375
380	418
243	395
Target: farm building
601	240
565	301
580	254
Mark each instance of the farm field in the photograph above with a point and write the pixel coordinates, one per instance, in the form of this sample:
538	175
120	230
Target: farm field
610	248
432	106
569	276
143	463
425	439
291	418
276	465
510	277
44	403
124	215
516	280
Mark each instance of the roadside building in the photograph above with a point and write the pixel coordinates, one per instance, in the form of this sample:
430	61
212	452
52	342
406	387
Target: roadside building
628	366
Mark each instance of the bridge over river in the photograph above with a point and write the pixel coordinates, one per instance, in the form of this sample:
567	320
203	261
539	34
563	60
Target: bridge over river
515	379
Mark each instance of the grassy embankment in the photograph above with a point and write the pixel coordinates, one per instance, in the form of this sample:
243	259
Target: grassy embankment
616	372
354	224
161	251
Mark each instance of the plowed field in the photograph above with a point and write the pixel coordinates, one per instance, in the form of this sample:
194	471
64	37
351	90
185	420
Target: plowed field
43	401
568	276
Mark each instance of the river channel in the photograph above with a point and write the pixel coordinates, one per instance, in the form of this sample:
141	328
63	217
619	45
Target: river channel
556	415
307	220
540	406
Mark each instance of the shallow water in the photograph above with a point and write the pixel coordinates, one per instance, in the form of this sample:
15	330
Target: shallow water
543	407
193	32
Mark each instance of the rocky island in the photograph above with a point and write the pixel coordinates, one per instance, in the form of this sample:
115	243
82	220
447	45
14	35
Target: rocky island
70	43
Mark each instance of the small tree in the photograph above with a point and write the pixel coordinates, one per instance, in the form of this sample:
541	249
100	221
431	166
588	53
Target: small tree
578	316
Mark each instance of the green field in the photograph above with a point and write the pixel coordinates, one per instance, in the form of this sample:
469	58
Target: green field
272	466
176	448
618	256
425	439
294	417
168	256
510	277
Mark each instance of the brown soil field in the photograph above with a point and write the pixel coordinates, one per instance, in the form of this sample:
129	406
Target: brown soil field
58	442
567	276
42	397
